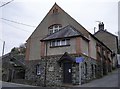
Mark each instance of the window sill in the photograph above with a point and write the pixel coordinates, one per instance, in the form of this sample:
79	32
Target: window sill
59	46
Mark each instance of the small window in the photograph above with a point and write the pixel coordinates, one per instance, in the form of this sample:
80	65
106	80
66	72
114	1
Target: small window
51	31
54	28
63	42
55	10
85	68
38	71
52	43
58	43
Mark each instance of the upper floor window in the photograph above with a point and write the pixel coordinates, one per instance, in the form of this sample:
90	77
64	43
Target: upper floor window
54	28
63	42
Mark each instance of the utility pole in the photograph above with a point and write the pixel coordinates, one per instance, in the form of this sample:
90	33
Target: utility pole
3	48
94	30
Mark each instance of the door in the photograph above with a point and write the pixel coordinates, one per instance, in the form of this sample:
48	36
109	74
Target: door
67	72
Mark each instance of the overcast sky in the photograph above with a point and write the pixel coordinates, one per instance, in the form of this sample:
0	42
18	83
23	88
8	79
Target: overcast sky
31	12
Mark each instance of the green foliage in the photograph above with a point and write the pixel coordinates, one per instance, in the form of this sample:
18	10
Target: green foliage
19	50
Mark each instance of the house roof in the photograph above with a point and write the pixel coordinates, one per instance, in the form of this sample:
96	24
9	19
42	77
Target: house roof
66	32
100	42
105	32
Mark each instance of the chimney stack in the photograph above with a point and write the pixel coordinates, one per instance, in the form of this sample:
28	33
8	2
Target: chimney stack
101	26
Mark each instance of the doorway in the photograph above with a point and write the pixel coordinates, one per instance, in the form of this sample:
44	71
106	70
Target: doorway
67	72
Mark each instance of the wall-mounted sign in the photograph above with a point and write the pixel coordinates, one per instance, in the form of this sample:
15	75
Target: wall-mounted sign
79	59
51	68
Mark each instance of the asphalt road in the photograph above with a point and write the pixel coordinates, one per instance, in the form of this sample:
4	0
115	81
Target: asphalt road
110	80
7	84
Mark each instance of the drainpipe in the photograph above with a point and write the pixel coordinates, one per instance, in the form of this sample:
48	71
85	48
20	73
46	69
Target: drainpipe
45	67
80	74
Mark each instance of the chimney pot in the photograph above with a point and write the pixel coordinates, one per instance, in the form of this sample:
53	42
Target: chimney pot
101	26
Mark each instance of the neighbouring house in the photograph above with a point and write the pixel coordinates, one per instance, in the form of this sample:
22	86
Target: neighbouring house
110	40
12	68
61	51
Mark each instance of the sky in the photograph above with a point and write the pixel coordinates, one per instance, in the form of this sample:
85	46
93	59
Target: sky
32	12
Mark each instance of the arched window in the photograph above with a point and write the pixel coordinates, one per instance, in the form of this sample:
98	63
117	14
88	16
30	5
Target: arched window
54	28
92	69
85	69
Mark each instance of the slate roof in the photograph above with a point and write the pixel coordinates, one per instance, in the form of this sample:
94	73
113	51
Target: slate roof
68	31
105	32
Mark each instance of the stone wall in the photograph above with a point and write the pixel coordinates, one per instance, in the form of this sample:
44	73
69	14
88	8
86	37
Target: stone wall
54	71
91	73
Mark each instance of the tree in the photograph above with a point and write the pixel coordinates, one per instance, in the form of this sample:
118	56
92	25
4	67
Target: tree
19	50
22	48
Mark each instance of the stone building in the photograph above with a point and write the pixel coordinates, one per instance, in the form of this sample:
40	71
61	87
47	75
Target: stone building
61	51
108	39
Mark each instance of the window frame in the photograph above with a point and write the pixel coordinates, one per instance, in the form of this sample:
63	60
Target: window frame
58	43
38	70
54	28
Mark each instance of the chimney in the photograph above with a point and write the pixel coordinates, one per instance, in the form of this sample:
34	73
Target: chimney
101	26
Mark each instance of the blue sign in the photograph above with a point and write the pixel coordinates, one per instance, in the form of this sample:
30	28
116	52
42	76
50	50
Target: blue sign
79	59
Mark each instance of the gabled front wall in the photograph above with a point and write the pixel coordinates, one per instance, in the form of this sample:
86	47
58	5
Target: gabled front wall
33	51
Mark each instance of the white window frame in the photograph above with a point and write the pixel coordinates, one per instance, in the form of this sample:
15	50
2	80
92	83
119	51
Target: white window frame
62	42
54	29
38	70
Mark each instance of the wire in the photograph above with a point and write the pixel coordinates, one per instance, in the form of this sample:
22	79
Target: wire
17	22
6	3
16	27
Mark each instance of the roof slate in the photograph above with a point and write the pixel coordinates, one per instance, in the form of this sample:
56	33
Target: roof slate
105	32
68	31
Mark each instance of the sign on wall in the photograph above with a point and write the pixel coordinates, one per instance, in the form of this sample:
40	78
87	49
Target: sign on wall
79	59
51	68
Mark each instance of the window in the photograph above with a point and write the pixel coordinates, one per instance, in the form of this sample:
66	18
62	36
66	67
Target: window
55	10
54	28
62	42
38	70
58	43
92	68
52	43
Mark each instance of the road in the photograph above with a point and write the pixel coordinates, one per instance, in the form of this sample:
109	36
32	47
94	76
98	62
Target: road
6	84
110	80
